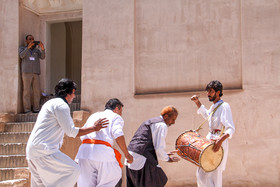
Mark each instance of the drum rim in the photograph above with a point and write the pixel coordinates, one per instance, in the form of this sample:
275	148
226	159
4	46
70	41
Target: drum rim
200	165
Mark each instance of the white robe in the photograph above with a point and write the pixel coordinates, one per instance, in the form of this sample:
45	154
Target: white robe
49	166
98	163
222	117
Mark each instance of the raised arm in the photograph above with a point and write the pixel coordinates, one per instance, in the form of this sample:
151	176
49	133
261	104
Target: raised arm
99	124
195	99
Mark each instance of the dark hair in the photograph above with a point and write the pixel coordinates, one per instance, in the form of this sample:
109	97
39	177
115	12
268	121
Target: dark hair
216	85
65	86
113	103
27	36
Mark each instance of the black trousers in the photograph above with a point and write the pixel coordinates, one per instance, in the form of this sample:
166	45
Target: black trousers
149	176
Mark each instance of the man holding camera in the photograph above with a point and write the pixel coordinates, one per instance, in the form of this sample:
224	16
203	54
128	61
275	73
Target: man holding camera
30	68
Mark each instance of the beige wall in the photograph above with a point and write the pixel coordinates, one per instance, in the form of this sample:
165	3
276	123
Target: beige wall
132	48
9	70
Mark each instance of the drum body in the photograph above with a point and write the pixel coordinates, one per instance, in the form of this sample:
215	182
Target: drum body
199	151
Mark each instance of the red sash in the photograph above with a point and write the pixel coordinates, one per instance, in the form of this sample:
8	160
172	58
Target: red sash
117	153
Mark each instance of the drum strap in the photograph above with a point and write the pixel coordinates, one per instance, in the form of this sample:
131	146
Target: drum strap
211	114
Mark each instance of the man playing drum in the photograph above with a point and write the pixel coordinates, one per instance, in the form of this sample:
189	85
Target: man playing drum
221	127
146	146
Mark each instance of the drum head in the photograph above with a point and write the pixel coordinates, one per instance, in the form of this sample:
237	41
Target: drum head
210	160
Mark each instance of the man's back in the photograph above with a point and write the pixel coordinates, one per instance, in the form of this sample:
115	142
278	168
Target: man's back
101	152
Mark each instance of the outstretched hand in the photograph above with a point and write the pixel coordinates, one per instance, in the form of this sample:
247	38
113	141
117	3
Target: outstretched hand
100	124
172	152
174	158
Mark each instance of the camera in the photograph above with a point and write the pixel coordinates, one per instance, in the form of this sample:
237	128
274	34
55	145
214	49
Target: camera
35	44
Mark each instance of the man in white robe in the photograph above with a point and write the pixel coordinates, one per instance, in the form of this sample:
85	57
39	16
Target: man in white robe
50	167
221	127
100	164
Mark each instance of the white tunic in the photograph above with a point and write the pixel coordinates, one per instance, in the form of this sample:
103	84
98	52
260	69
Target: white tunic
48	165
221	118
159	133
47	135
97	151
98	164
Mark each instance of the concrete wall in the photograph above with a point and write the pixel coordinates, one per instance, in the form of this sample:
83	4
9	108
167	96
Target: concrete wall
155	53
9	70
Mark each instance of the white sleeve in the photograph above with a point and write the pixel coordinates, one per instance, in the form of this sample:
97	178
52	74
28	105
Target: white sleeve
159	132
64	119
203	111
117	127
226	119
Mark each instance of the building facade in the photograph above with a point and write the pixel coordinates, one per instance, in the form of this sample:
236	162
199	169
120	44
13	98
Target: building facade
153	53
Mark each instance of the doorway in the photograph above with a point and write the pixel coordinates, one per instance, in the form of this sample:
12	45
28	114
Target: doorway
66	52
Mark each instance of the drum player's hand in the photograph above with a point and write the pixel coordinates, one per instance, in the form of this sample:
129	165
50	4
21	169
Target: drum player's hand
219	141
217	144
195	99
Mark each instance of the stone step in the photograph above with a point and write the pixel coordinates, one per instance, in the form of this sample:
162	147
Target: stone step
12	161
31	117
19	127
14	137
12	148
14	183
14	173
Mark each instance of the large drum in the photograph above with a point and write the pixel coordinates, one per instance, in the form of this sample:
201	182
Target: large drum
199	151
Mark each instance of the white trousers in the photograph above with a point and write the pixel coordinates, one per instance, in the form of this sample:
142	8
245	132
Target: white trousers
99	174
209	179
213	178
56	170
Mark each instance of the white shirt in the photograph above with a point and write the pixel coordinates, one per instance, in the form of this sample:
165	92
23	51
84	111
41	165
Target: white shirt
47	135
222	117
159	132
114	130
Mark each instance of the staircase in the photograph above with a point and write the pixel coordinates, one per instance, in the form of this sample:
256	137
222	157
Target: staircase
13	139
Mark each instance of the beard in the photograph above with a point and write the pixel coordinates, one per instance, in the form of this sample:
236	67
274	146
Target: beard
212	98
